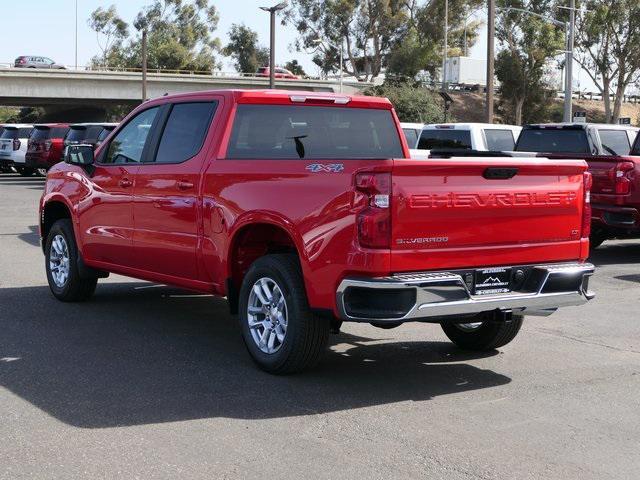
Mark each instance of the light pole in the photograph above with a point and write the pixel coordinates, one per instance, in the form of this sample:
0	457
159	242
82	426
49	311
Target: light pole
446	45
76	34
144	65
272	45
491	55
568	103
569	45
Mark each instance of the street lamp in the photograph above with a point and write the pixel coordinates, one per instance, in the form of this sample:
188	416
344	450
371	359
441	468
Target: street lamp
569	42
272	46
319	41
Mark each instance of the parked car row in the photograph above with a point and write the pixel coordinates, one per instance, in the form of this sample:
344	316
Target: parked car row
29	149
611	151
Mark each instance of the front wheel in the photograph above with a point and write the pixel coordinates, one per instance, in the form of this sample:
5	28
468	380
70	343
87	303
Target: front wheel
61	263
279	330
487	335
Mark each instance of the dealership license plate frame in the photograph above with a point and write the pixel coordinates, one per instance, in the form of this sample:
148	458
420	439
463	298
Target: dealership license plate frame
492	281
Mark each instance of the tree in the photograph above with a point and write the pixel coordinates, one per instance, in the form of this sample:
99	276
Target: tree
244	49
294	67
110	30
412	104
366	28
529	42
405	36
608	43
179	37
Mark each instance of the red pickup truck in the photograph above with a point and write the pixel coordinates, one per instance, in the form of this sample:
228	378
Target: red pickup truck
613	155
304	211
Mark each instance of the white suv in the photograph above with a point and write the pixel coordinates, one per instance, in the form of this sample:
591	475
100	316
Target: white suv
13	147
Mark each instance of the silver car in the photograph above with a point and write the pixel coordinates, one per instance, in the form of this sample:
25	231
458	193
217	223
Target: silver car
35	61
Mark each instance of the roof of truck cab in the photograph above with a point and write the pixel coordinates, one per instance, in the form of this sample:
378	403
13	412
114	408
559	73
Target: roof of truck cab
17	125
580	126
50	125
287	97
470	125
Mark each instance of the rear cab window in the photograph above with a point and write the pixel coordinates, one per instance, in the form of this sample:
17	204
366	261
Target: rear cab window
614	142
184	131
499	140
553	140
441	138
313	132
10	133
411	135
40	133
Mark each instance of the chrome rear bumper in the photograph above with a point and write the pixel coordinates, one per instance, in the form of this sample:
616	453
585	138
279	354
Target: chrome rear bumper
443	294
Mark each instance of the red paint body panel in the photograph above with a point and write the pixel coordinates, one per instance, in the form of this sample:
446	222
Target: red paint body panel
138	221
39	156
616	214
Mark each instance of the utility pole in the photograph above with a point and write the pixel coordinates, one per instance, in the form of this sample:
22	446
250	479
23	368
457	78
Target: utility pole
144	65
568	75
272	44
491	30
446	45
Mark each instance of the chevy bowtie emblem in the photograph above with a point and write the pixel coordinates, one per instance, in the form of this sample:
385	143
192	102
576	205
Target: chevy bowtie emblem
325	167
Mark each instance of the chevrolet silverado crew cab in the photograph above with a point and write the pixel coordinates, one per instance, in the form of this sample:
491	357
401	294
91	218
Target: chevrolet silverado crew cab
302	209
613	155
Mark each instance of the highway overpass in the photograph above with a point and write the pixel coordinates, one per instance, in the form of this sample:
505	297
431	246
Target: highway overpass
76	88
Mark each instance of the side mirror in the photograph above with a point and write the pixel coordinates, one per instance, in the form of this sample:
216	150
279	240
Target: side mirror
81	155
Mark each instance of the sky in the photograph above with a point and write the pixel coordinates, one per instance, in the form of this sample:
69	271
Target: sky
47	28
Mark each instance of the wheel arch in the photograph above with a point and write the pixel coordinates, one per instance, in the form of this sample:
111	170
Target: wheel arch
252	238
54	209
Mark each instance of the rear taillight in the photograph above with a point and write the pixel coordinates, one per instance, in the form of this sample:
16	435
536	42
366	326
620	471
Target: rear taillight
622	177
586	208
47	145
16	144
374	222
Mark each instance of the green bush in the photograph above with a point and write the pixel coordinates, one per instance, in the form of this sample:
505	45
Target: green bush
412	104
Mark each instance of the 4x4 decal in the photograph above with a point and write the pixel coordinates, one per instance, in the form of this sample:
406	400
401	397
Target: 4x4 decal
325	167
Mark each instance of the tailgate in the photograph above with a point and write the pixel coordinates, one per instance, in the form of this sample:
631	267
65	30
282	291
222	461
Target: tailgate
468	212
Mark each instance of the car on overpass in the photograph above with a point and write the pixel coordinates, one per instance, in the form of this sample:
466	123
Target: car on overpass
279	73
36	61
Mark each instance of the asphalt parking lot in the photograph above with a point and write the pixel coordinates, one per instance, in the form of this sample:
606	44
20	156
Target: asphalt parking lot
145	381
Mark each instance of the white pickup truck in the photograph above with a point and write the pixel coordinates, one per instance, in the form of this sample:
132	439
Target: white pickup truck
466	136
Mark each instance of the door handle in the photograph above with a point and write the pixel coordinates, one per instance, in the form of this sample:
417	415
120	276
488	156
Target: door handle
184	185
125	183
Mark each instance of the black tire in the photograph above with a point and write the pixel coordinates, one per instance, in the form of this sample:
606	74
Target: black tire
75	288
596	239
488	336
25	171
306	333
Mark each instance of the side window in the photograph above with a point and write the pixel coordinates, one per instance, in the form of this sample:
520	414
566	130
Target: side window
614	142
499	140
184	131
128	144
411	136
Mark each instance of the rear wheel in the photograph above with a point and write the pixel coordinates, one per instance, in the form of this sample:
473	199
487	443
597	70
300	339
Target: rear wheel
25	171
486	335
61	263
279	330
596	239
